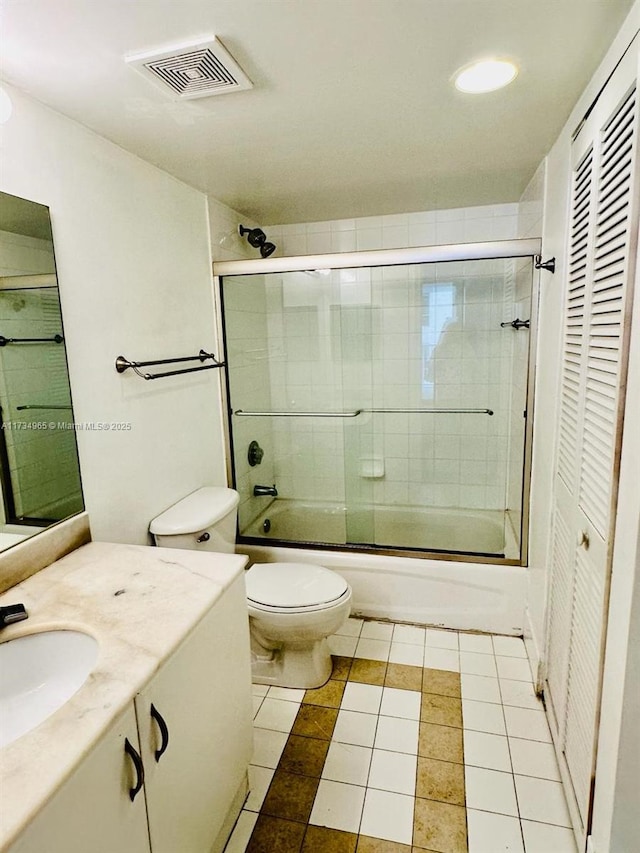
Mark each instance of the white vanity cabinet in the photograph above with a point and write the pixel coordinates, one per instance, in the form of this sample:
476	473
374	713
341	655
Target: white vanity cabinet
194	720
93	810
189	732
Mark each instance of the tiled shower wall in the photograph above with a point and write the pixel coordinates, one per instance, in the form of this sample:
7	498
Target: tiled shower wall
354	340
430	460
427	228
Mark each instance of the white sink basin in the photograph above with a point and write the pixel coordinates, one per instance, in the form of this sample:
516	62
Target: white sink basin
38	674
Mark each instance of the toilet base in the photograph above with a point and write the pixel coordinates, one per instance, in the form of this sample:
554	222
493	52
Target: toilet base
303	666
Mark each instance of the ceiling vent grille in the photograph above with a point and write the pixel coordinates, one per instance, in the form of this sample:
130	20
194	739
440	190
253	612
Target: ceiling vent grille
192	70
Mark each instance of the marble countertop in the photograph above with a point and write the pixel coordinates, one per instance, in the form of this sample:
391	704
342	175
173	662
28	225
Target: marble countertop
139	603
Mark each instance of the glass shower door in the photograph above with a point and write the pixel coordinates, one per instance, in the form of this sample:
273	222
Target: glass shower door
388	403
440	444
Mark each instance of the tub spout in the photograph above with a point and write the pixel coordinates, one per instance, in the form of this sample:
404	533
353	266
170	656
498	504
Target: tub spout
263	491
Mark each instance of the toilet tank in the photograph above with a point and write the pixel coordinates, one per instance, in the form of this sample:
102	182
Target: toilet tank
205	521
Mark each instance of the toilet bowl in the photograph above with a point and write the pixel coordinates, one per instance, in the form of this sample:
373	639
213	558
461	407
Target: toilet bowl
293	607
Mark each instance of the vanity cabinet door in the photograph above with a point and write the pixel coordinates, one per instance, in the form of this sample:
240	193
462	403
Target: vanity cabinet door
93	810
194	720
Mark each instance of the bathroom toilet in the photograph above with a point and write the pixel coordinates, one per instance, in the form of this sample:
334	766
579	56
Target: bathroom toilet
293	607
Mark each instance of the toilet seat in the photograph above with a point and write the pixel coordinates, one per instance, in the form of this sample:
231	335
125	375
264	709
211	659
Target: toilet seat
294	587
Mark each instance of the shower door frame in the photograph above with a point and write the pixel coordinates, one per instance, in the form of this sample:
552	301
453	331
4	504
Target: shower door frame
478	251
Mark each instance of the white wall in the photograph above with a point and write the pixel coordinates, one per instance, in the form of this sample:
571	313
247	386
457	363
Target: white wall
610	784
134	267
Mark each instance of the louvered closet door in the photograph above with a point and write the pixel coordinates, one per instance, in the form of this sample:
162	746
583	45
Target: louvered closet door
601	255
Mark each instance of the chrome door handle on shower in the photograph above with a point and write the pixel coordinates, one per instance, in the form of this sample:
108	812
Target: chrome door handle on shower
244	414
443	411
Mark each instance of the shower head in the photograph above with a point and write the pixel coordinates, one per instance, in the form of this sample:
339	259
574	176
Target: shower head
258	239
255	236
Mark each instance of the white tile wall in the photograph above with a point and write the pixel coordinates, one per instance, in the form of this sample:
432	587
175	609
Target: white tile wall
353	339
424	228
328	355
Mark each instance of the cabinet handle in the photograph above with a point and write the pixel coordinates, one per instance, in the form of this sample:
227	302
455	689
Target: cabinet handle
164	732
137	763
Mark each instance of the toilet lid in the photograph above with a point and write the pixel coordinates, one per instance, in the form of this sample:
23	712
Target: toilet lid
293	585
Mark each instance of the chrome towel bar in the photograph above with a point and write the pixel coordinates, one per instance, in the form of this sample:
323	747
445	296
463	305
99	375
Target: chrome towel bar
242	414
123	364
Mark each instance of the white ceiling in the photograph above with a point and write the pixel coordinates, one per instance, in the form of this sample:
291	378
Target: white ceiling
352	111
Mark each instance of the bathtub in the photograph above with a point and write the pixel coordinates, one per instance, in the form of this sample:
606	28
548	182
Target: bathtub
471	531
449	593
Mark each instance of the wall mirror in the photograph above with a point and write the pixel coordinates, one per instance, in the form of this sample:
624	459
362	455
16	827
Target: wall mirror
39	471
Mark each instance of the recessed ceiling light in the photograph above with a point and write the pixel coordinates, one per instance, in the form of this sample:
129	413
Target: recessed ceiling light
485	76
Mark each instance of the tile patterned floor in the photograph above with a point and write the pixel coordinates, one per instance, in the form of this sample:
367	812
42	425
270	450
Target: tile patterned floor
422	740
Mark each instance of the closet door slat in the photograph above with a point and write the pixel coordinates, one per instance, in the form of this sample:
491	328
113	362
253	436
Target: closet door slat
582	681
605	318
581	223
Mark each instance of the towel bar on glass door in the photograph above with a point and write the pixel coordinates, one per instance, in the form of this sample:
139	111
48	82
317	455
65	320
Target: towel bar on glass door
123	364
241	413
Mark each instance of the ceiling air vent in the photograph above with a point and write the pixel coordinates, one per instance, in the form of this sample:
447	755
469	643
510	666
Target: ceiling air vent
192	69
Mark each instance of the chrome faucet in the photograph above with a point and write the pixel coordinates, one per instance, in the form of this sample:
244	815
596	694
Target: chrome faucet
12	613
263	491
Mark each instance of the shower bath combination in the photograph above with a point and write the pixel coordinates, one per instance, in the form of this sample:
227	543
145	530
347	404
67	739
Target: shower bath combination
388	395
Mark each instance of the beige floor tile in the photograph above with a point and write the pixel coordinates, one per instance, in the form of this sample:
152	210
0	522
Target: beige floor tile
441	682
440	780
315	721
304	755
272	833
290	796
441	710
403	676
328	696
321	839
368	671
366	844
440	827
341	667
442	742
